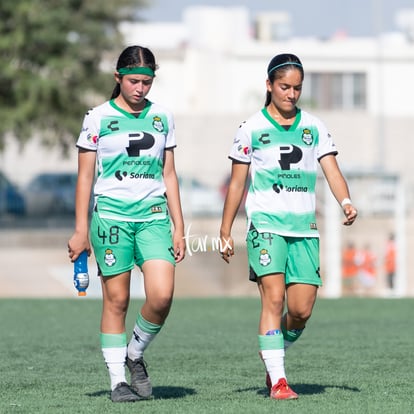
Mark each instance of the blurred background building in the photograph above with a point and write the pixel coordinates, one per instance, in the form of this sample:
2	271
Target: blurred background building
212	71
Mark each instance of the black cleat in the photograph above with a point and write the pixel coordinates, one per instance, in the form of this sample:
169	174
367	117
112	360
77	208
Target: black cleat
123	393
140	381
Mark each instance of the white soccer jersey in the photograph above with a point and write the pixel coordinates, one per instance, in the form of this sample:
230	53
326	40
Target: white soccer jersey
130	153
283	167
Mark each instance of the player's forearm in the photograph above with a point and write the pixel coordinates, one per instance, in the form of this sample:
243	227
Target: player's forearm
231	206
83	194
176	215
174	203
81	216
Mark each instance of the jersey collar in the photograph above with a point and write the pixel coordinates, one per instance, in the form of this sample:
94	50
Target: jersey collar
280	127
128	114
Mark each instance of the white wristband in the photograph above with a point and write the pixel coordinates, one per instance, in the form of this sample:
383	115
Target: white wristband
345	201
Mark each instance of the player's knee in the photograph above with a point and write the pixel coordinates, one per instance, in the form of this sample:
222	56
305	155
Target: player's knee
118	304
161	304
300	315
273	305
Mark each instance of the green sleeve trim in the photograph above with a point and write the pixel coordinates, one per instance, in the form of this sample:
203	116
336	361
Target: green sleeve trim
113	340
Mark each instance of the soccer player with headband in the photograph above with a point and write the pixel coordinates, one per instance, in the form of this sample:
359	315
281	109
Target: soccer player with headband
281	146
131	141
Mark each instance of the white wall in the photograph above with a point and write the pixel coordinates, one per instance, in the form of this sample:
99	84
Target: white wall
219	67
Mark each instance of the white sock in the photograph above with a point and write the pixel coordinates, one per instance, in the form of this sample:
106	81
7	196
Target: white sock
139	342
274	360
115	361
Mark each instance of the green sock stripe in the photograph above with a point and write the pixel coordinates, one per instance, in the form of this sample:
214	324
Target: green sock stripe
292	335
267	342
113	340
148	327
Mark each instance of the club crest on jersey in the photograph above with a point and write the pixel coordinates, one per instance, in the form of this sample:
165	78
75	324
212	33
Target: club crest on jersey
264	258
157	124
110	258
307	136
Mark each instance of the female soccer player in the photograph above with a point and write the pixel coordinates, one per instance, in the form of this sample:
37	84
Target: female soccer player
281	144
131	140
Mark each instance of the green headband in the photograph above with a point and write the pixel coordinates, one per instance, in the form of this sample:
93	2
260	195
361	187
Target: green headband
137	70
284	64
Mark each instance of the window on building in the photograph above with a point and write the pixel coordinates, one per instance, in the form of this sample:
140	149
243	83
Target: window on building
335	90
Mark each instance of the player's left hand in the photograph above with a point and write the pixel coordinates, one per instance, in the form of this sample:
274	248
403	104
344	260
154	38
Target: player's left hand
351	214
179	248
226	248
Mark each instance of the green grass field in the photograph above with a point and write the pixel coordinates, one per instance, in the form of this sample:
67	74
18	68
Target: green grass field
356	356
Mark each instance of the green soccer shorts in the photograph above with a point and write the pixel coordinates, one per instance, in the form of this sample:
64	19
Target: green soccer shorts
296	257
119	245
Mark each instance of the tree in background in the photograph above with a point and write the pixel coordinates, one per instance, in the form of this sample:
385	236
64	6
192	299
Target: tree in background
52	52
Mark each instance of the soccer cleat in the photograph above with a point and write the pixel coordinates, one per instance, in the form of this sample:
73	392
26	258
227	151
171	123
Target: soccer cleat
140	381
282	391
123	393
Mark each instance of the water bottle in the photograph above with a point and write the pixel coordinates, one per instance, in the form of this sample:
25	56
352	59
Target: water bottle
81	276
